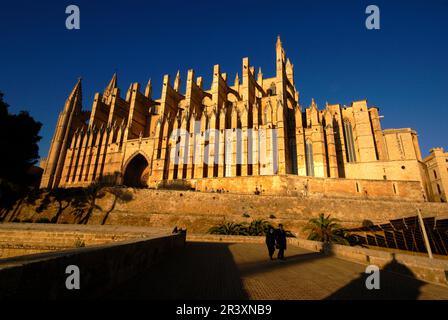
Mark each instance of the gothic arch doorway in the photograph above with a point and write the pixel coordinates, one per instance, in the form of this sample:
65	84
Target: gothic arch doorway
136	172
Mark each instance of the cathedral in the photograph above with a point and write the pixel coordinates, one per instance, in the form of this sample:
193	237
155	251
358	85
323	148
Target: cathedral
253	127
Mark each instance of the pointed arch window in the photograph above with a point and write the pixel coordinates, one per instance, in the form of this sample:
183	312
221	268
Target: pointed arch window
309	158
272	90
349	141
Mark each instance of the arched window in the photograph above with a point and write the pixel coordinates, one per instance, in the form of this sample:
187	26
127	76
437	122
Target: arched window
272	89
349	141
438	189
309	158
435	174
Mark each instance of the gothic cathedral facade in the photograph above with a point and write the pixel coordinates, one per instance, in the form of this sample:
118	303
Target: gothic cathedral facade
256	126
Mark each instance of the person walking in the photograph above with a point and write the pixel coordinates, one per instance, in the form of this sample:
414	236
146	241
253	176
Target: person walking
270	241
281	242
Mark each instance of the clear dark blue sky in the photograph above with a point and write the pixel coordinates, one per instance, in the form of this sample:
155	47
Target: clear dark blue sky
402	68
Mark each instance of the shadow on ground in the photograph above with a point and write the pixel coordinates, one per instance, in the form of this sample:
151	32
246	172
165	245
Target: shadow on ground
215	271
200	271
252	268
397	282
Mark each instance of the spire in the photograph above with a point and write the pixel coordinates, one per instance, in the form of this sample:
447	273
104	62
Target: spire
129	92
77	90
237	80
279	42
177	81
280	58
288	64
113	83
313	103
148	90
199	82
75	98
259	75
111	86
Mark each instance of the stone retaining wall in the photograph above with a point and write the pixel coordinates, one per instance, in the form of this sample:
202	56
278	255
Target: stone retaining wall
102	267
27	238
198	211
284	185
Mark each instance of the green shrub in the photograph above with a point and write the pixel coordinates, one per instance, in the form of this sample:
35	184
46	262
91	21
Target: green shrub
229	228
257	227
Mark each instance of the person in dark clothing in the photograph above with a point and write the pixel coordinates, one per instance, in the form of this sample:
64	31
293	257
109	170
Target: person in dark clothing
281	242
270	241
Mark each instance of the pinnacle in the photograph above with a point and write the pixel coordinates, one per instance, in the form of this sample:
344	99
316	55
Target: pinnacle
279	42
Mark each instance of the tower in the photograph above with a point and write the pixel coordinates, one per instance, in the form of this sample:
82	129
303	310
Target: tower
62	137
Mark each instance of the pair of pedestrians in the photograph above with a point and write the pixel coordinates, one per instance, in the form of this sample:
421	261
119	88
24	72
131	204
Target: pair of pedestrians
276	238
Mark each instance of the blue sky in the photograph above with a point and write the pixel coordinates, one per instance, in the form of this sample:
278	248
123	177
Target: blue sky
401	68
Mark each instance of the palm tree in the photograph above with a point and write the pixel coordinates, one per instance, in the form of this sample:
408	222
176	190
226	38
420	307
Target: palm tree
229	228
326	229
258	227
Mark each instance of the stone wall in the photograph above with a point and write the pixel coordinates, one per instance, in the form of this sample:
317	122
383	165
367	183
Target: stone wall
18	239
297	186
101	268
198	211
437	164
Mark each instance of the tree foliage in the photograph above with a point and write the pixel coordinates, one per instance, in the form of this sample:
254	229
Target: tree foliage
19	135
326	229
229	228
257	227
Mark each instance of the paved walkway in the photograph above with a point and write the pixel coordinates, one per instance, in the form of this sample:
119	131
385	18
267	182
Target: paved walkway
241	271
